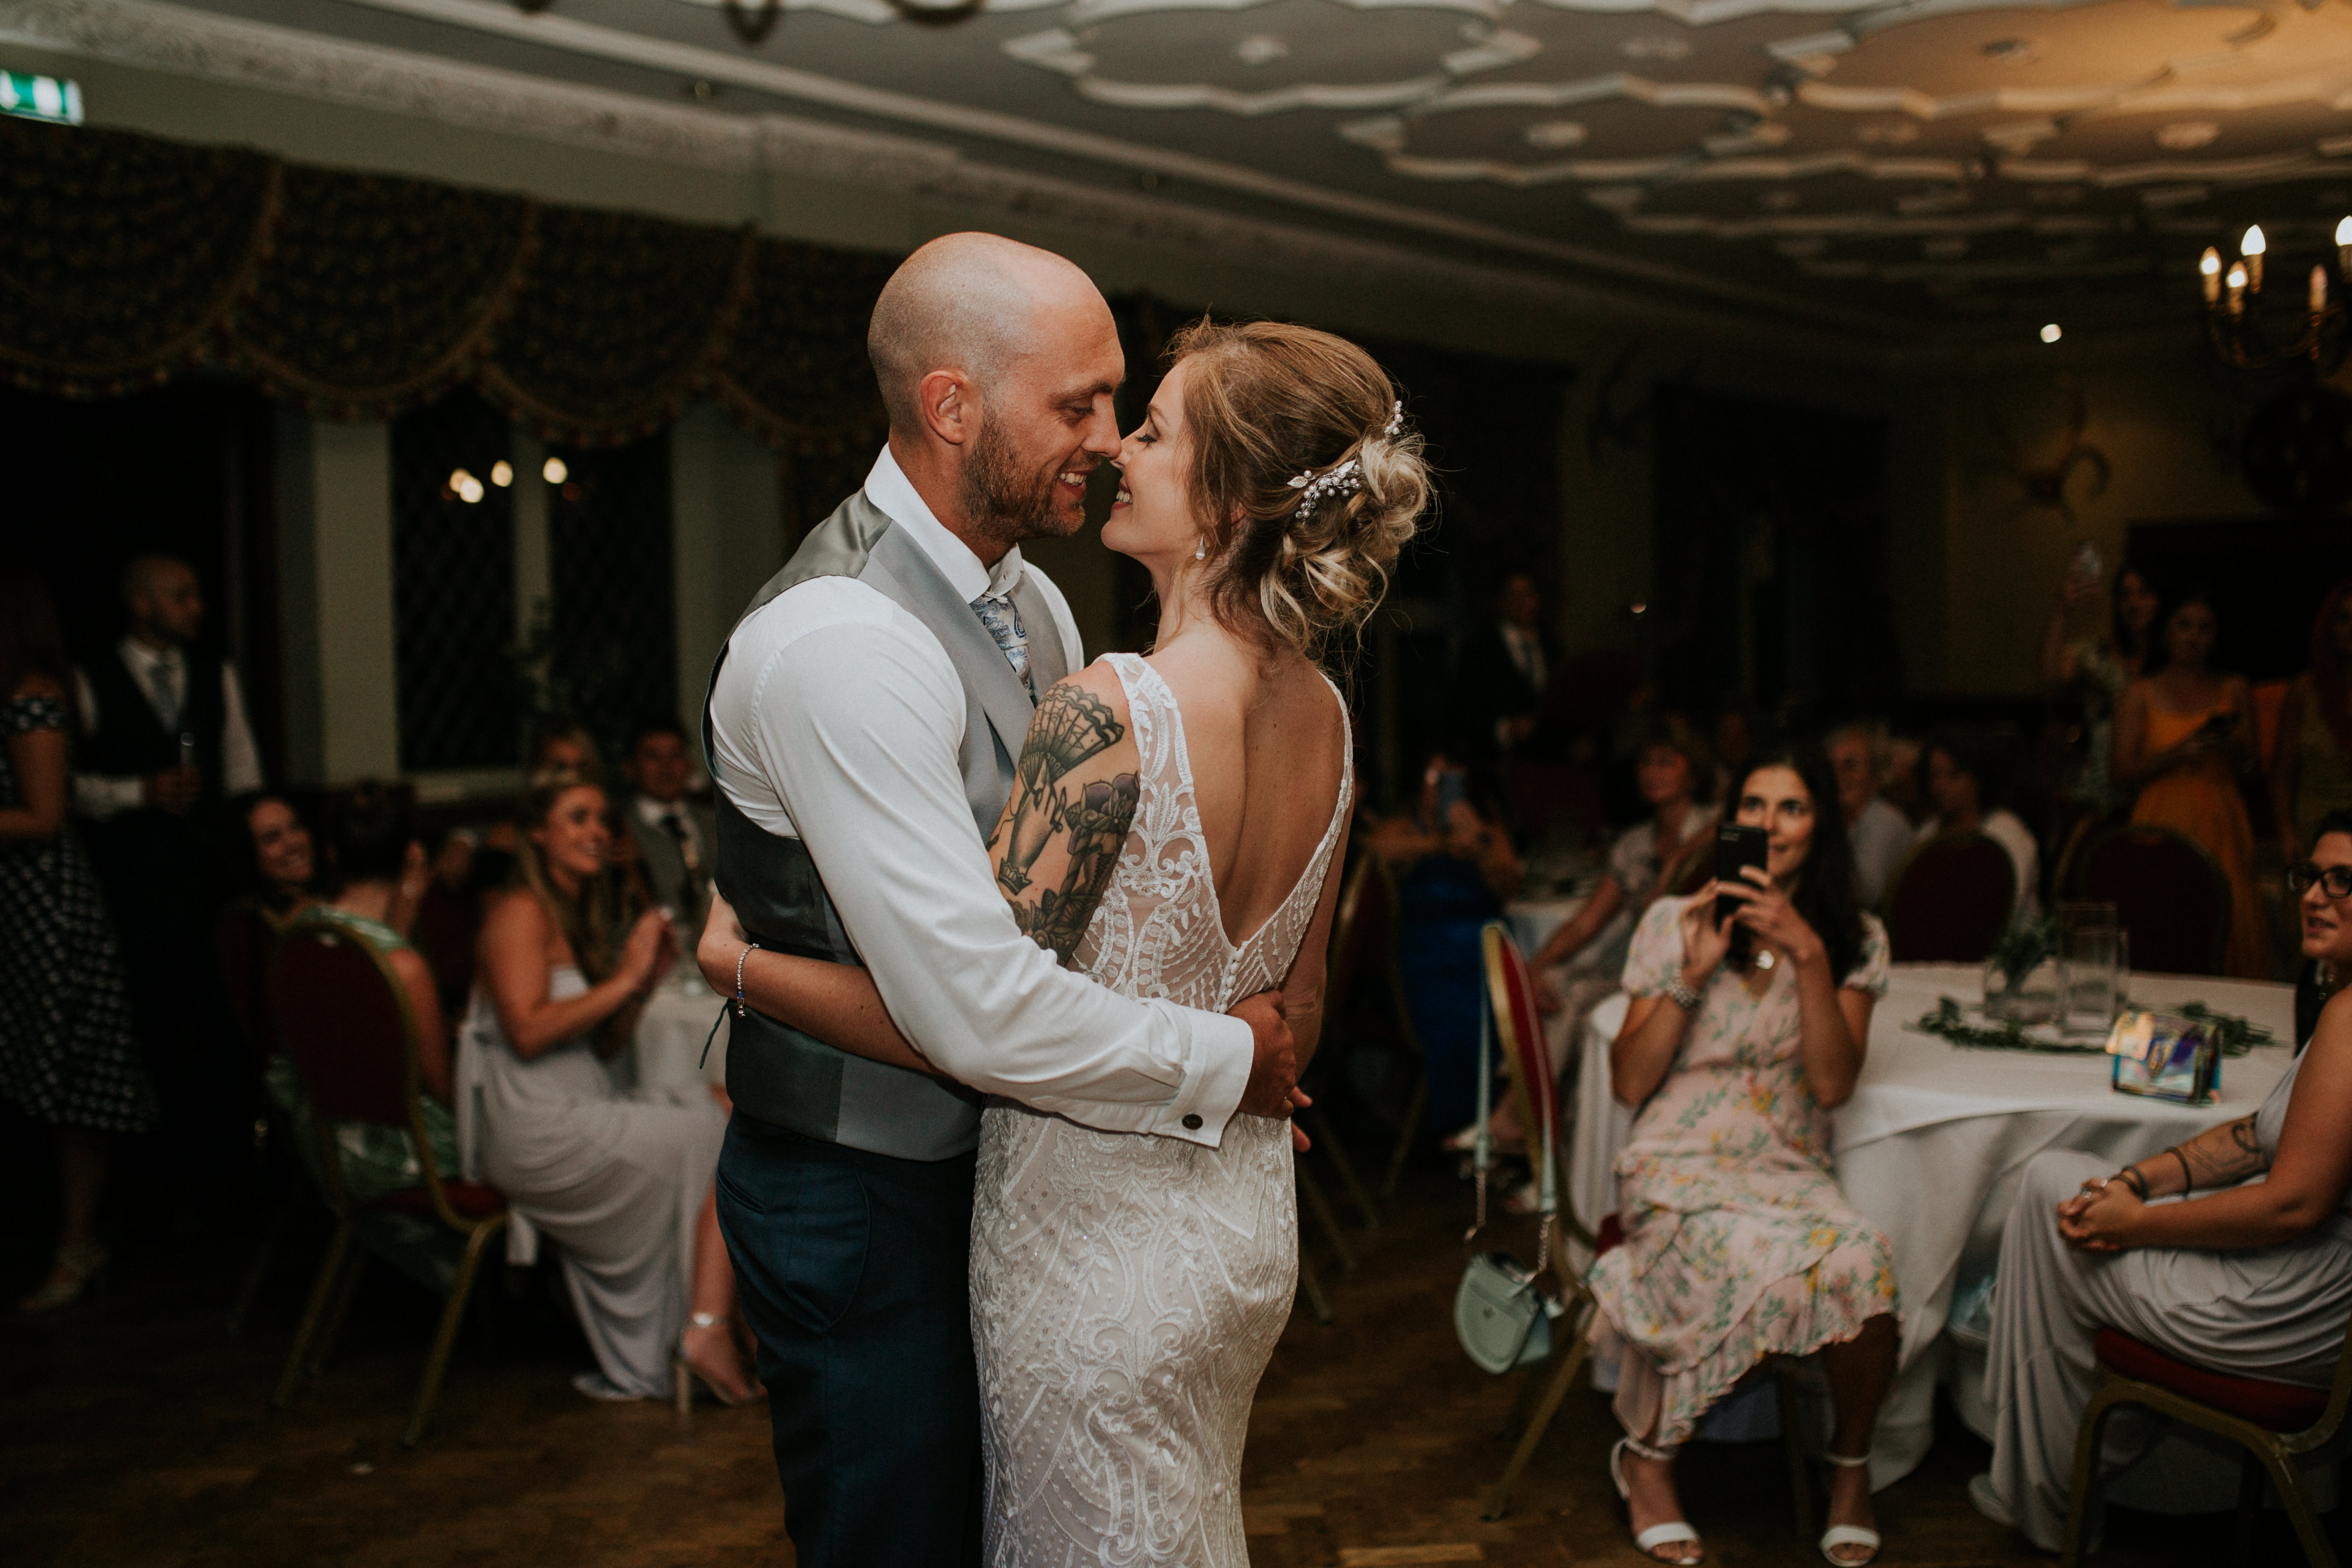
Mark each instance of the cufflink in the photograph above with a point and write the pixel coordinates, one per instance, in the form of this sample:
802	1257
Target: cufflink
1192	1123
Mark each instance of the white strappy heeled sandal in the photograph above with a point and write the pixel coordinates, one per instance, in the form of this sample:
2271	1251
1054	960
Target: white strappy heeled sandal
1849	1534
1674	1531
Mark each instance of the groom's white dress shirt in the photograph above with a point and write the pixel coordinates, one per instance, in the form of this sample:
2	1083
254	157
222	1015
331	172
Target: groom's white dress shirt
836	719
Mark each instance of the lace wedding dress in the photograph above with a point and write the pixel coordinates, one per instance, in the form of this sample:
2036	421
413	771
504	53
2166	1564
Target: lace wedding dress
1126	1289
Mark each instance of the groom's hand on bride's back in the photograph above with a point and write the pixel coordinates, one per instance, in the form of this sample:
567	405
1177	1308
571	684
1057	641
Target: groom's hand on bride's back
1275	1072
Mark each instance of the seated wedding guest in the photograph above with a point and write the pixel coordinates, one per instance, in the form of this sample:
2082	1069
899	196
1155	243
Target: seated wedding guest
2184	734
1455	867
378	873
1676	778
1880	834
2311	772
281	871
1899	786
621	1182
1967	779
2087	676
479	857
1742	1035
67	1057
2249	1274
675	837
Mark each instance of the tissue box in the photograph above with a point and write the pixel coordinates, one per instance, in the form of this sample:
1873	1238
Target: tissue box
2164	1056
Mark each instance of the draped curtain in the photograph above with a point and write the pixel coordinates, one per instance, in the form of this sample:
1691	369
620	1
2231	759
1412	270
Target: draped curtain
129	260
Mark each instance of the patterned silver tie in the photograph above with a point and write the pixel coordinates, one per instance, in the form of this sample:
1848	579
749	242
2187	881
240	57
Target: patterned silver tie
170	701
1003	619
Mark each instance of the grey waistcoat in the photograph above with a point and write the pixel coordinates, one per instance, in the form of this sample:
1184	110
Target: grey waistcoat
775	1072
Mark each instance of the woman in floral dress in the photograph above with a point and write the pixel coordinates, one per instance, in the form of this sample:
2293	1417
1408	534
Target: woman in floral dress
1738	1244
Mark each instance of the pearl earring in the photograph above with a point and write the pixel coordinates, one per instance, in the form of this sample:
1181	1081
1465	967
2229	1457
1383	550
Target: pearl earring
1201	547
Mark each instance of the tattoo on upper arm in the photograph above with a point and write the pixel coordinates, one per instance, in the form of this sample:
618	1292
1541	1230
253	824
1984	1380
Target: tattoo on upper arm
1072	726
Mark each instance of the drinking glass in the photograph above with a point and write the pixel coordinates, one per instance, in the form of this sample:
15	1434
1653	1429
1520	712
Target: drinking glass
2092	964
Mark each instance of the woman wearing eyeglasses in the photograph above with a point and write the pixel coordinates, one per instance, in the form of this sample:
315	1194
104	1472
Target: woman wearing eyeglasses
2231	1251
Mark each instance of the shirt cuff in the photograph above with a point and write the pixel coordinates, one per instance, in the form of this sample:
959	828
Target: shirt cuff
98	796
1219	1051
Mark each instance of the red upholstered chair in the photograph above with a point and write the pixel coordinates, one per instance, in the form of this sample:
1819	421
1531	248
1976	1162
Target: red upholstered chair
2168	894
344	1018
244	936
1518	1033
447	926
2274	1423
1950	900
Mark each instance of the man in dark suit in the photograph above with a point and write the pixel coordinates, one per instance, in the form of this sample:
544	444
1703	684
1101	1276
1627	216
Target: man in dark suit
675	836
1505	671
164	746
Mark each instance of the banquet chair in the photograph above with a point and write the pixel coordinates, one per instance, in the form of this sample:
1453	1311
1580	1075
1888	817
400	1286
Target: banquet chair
1535	1098
2277	1425
344	1018
243	937
2169	896
1950	900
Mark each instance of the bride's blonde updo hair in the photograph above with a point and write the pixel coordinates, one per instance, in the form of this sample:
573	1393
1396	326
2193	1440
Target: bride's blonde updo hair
1277	415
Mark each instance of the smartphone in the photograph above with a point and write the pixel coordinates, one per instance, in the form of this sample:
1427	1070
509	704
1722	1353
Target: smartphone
1738	846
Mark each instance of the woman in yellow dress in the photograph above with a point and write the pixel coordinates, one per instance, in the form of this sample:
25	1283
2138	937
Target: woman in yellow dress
2183	735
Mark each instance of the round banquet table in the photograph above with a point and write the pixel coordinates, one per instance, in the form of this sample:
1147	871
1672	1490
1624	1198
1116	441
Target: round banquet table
666	1050
1931	1144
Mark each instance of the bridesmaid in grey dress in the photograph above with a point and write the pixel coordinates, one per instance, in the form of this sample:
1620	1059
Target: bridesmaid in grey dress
621	1182
2253	1277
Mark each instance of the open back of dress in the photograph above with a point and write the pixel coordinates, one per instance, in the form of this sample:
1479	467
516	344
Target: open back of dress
1126	1289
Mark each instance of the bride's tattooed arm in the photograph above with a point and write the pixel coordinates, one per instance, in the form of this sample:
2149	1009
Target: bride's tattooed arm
1072	804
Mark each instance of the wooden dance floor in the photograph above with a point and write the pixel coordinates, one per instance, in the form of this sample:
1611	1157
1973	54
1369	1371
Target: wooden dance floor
133	1432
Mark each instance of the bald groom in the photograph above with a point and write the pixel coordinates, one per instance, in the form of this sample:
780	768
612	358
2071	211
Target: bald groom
862	725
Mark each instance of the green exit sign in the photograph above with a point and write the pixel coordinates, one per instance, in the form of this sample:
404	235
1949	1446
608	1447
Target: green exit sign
40	98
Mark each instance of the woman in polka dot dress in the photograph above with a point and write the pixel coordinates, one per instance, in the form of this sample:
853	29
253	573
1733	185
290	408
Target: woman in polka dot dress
67	1053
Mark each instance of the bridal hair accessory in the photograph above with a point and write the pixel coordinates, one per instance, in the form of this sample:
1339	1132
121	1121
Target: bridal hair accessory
1346	478
1343	480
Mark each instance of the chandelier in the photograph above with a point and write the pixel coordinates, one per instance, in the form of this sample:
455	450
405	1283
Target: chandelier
2249	338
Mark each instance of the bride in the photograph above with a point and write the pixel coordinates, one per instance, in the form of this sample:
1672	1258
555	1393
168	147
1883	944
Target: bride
1172	834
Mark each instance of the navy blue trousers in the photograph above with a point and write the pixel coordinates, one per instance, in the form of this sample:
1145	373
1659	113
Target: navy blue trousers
852	1269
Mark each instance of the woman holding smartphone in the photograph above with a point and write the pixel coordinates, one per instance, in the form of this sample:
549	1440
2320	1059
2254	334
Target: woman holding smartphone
2183	735
1750	1011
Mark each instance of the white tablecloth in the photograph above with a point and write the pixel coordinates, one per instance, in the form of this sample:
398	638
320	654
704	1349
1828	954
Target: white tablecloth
1930	1146
668	1047
1532	921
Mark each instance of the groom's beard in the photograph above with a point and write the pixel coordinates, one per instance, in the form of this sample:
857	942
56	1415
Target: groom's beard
1008	502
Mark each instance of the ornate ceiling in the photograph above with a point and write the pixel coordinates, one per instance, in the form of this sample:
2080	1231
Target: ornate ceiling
1947	167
